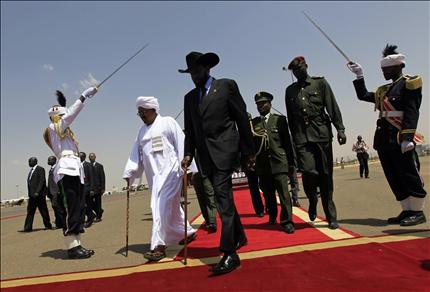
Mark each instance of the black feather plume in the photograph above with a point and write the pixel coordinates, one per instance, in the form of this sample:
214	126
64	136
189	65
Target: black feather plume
61	98
389	50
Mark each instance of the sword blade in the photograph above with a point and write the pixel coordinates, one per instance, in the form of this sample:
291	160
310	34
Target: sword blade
327	37
123	64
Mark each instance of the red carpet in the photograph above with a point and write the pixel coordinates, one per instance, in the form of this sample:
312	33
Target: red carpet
397	266
260	234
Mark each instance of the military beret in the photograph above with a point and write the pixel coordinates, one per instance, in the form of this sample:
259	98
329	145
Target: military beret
263	96
296	62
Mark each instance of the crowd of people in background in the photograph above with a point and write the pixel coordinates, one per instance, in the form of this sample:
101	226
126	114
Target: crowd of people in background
39	188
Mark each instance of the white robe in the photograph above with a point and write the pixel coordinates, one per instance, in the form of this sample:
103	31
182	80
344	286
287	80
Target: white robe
158	150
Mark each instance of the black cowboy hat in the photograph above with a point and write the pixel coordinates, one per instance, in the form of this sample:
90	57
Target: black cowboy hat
194	58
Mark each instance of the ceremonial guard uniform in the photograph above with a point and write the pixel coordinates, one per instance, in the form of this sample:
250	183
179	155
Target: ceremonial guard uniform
275	159
398	104
68	172
312	108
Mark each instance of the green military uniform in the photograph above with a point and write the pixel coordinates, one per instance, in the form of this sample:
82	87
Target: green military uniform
275	159
311	109
206	197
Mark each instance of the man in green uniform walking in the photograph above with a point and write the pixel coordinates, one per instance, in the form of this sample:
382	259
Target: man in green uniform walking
312	108
275	160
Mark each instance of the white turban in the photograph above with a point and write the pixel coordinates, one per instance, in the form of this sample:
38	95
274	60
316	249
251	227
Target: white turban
393	60
148	102
56	110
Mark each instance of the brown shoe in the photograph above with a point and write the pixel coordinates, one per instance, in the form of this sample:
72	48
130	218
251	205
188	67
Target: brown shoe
155	255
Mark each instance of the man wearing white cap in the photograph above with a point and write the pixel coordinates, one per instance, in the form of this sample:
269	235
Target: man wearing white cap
158	151
68	172
395	137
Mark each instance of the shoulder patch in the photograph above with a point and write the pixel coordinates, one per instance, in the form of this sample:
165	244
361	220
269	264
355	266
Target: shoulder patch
413	82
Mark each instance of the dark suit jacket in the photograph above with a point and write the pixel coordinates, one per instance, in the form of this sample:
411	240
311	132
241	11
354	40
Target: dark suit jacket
218	127
89	177
37	183
99	179
52	185
280	152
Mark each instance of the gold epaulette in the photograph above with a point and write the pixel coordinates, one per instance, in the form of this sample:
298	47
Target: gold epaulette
380	93
413	82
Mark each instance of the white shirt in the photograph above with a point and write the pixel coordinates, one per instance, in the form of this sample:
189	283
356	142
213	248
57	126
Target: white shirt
70	164
31	171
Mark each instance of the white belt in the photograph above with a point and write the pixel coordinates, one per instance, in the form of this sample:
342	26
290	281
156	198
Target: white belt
391	114
65	153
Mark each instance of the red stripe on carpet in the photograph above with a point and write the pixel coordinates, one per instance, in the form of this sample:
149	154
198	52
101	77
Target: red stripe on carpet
260	234
396	266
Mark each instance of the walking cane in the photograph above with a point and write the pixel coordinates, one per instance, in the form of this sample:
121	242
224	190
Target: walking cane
184	192
126	226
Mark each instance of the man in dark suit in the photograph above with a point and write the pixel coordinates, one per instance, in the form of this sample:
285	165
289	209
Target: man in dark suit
99	186
217	127
36	183
88	190
54	194
275	160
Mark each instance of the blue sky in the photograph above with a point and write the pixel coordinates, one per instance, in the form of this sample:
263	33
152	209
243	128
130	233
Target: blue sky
67	45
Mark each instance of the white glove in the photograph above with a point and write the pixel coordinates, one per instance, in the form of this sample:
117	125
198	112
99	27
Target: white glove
356	69
90	92
406	146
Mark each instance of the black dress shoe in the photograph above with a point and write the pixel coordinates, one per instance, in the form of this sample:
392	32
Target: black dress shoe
242	242
296	203
190	238
227	264
260	214
211	228
399	218
333	225
414	219
312	211
77	253
90	251
289	228
88	224
272	221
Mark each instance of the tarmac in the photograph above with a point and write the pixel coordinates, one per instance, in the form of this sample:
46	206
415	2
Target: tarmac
363	205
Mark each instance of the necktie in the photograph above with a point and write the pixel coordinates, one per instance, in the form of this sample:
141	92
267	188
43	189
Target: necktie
29	174
263	119
202	93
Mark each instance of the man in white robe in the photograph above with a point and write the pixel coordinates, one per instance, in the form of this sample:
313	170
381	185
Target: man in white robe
158	151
